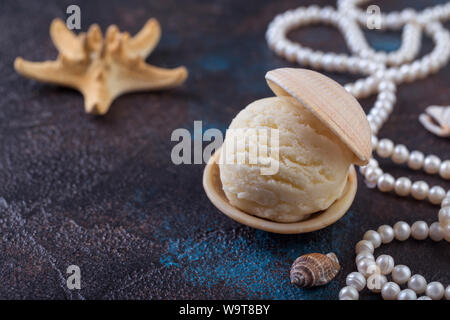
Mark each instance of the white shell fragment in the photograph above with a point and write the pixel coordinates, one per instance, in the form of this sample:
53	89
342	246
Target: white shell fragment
436	119
329	102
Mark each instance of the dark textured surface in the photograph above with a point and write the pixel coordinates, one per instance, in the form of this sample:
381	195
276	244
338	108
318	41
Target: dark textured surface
103	194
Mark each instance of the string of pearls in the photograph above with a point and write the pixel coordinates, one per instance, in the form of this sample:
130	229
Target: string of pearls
395	20
373	272
383	71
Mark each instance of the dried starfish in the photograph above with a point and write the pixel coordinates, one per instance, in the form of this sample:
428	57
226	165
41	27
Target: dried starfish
103	68
436	119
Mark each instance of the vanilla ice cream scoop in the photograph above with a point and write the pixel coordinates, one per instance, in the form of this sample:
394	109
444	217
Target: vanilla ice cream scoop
312	163
321	131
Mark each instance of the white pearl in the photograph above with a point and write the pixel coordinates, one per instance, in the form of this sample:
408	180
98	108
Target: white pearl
387	96
386	264
375	282
364	245
386	182
356	280
444	170
302	56
280	47
368	255
446	202
390	291
402	231
444	215
405	73
346	298
373	127
419	230
400	154
401	274
383	114
407	294
289	52
447	292
372	174
380	113
386	86
362	169
436	231
417	283
367	267
348	293
387	233
374	141
432	164
385	148
446	231
408	14
419	190
372	163
403	186
315	59
327	62
415	160
385	105
435	290
436	195
424	298
373	237
340	62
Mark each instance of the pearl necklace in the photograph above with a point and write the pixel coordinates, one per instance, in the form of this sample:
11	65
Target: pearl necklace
383	71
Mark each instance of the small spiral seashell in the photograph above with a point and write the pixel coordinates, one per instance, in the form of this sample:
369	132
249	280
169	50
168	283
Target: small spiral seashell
314	269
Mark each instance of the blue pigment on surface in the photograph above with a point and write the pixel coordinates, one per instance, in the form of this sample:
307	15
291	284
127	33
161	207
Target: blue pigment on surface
384	41
256	268
214	63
